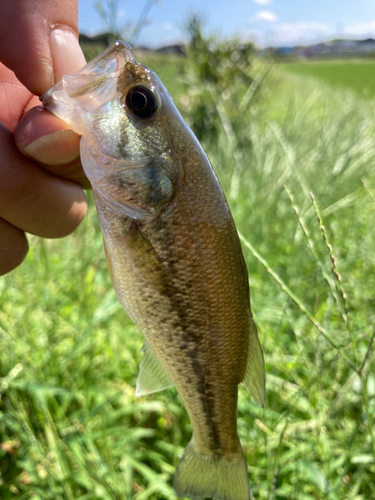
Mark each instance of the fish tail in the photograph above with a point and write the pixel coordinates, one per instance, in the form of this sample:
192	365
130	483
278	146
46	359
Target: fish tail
202	475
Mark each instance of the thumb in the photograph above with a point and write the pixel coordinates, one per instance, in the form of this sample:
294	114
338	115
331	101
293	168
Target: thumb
39	41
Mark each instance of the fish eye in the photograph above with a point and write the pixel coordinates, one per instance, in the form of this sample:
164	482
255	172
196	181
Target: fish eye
142	102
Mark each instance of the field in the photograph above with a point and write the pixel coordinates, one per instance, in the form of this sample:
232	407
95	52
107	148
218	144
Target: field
357	75
296	159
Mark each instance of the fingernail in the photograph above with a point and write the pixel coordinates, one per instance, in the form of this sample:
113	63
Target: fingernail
67	55
56	148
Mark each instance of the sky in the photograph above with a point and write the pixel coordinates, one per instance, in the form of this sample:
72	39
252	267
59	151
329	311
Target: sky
266	22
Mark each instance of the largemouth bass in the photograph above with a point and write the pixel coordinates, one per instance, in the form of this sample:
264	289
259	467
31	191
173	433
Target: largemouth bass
174	257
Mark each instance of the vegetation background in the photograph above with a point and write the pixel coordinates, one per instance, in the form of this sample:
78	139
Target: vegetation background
293	146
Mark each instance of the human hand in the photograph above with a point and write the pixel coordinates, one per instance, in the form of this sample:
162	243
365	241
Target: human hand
38	45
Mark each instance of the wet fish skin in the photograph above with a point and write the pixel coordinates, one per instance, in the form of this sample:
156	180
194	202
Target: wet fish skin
174	257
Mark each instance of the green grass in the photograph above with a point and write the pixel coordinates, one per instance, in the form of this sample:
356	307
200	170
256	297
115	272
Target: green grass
357	75
70	425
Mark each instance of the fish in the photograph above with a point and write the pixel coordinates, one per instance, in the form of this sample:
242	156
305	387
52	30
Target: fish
174	257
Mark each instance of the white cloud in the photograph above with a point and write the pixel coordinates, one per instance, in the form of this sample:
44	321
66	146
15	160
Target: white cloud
160	34
264	15
361	29
299	33
167	26
263	2
302	33
304	26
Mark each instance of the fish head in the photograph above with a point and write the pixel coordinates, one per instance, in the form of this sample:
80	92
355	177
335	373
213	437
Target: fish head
123	111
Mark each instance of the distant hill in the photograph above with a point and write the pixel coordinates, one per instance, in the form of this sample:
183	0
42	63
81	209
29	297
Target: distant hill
104	39
337	47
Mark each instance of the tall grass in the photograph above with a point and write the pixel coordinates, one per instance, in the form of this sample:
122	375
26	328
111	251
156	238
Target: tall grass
311	265
70	425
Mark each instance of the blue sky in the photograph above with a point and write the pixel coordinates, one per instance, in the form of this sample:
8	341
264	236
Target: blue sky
267	22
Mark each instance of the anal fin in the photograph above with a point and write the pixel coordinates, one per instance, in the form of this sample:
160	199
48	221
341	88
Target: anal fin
255	378
152	376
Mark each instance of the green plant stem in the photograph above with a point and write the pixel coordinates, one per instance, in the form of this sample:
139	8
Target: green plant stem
296	300
337	278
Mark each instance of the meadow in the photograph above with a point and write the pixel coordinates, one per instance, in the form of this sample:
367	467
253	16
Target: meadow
355	74
296	159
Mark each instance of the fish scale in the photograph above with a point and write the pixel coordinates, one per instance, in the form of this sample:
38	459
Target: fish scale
174	258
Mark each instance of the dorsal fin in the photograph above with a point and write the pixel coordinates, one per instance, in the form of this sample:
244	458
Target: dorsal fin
255	378
152	376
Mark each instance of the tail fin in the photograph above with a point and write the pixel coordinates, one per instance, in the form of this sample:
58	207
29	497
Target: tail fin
202	475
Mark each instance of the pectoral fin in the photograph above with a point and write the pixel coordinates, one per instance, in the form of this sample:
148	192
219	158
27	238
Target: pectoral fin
255	378
152	376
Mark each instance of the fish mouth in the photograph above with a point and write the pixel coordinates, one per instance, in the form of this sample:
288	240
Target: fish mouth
92	86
